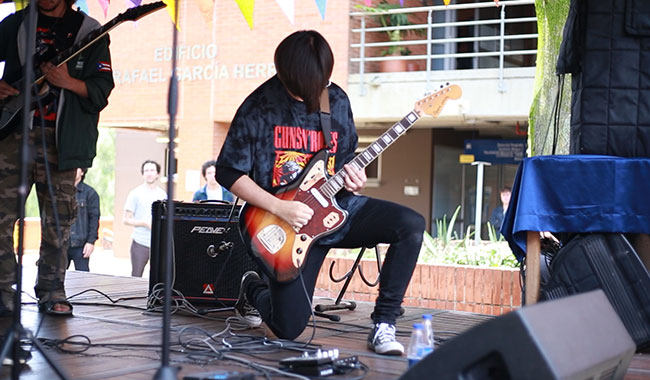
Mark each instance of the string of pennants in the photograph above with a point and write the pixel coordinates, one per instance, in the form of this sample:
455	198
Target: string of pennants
245	6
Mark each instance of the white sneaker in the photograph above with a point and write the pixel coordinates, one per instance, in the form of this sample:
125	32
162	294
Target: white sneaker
382	340
243	309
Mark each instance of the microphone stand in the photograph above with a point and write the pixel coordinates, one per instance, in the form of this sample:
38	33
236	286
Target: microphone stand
167	372
16	333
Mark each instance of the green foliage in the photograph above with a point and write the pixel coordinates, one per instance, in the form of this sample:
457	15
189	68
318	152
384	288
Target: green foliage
444	231
493	234
460	252
551	17
466	252
101	176
389	20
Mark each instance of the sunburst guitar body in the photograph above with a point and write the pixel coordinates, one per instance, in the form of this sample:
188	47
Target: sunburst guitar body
281	248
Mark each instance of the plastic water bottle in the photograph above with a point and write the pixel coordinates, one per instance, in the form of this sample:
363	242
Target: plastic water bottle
428	333
417	346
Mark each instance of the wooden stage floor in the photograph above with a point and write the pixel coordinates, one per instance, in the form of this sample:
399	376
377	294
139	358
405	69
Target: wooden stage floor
124	339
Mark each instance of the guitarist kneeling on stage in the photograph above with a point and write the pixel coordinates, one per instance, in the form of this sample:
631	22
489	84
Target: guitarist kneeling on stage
269	156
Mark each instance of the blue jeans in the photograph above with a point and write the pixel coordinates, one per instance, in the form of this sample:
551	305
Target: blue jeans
285	307
76	254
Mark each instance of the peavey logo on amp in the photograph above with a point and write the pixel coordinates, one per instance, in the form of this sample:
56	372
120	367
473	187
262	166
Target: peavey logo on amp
208	230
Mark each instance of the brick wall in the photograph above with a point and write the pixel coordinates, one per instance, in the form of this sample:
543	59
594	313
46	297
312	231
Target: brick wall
493	291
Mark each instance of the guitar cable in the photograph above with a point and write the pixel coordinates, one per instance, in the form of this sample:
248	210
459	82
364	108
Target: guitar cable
309	302
229	252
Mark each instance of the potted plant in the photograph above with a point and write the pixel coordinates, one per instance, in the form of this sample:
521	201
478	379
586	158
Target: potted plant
391	20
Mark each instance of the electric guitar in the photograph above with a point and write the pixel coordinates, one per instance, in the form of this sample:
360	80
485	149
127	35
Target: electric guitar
283	249
9	107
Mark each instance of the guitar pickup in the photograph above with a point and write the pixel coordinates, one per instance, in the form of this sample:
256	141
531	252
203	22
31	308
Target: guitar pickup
319	197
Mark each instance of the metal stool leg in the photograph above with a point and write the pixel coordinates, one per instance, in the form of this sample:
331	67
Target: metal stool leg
346	305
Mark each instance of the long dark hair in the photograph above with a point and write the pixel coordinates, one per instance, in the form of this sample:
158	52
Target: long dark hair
304	62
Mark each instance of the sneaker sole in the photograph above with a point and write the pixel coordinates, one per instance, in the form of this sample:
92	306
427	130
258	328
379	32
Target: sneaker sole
371	347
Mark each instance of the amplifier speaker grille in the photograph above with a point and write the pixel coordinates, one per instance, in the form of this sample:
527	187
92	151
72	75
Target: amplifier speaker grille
209	257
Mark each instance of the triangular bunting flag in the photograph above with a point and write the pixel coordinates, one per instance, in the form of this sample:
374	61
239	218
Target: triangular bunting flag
447	2
20	4
322	4
82	6
246	7
104	5
206	7
171	9
288	7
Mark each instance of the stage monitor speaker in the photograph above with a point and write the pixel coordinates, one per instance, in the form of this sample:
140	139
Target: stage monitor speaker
578	337
608	262
209	257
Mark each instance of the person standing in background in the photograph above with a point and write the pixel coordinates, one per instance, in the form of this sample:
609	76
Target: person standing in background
137	213
84	231
499	212
212	190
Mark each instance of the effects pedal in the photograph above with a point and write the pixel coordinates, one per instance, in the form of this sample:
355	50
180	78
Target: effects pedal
321	363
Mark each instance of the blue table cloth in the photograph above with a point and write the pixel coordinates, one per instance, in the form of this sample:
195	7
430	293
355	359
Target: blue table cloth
577	193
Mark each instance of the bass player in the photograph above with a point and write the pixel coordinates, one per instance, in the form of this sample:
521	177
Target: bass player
63	137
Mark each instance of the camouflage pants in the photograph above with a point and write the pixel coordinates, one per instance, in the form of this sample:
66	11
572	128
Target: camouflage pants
53	258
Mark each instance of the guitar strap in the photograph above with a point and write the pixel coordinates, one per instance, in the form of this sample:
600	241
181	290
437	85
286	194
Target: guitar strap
326	117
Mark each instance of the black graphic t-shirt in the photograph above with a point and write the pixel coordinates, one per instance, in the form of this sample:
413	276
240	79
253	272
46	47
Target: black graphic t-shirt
272	138
54	35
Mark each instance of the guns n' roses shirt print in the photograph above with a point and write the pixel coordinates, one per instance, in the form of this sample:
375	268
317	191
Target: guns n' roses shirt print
289	143
272	138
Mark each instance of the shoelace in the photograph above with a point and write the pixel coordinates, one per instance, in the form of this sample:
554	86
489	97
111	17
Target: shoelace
385	333
249	310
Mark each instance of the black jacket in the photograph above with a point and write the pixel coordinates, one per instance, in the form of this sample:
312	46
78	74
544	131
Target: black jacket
86	226
606	47
78	117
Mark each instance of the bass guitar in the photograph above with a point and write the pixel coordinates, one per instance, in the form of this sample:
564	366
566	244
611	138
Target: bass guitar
283	249
9	107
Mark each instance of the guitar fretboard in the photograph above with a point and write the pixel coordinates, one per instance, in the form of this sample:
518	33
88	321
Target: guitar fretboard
363	159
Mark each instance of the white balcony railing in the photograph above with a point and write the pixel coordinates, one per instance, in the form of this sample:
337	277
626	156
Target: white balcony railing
462	36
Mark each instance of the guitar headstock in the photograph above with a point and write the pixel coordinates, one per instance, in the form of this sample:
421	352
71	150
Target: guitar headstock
433	103
136	13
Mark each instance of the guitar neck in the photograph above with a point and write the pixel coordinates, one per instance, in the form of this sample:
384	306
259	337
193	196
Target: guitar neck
79	46
363	159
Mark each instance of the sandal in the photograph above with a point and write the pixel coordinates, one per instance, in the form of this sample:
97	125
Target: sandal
48	307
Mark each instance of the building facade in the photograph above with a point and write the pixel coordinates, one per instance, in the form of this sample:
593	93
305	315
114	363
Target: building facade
486	50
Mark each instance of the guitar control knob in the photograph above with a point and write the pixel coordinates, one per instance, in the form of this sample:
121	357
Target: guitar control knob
299	251
303	237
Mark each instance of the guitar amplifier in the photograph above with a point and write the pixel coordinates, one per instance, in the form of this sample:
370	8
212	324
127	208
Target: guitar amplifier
208	255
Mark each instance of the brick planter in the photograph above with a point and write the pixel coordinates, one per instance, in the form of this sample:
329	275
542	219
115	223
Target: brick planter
492	291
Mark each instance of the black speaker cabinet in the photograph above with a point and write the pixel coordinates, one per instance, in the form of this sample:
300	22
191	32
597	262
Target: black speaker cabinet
209	257
577	337
608	262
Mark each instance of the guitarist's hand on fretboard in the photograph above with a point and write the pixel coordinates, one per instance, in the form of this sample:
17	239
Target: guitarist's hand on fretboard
356	179
6	90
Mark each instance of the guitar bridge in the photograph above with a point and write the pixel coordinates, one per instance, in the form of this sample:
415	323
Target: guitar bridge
272	238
